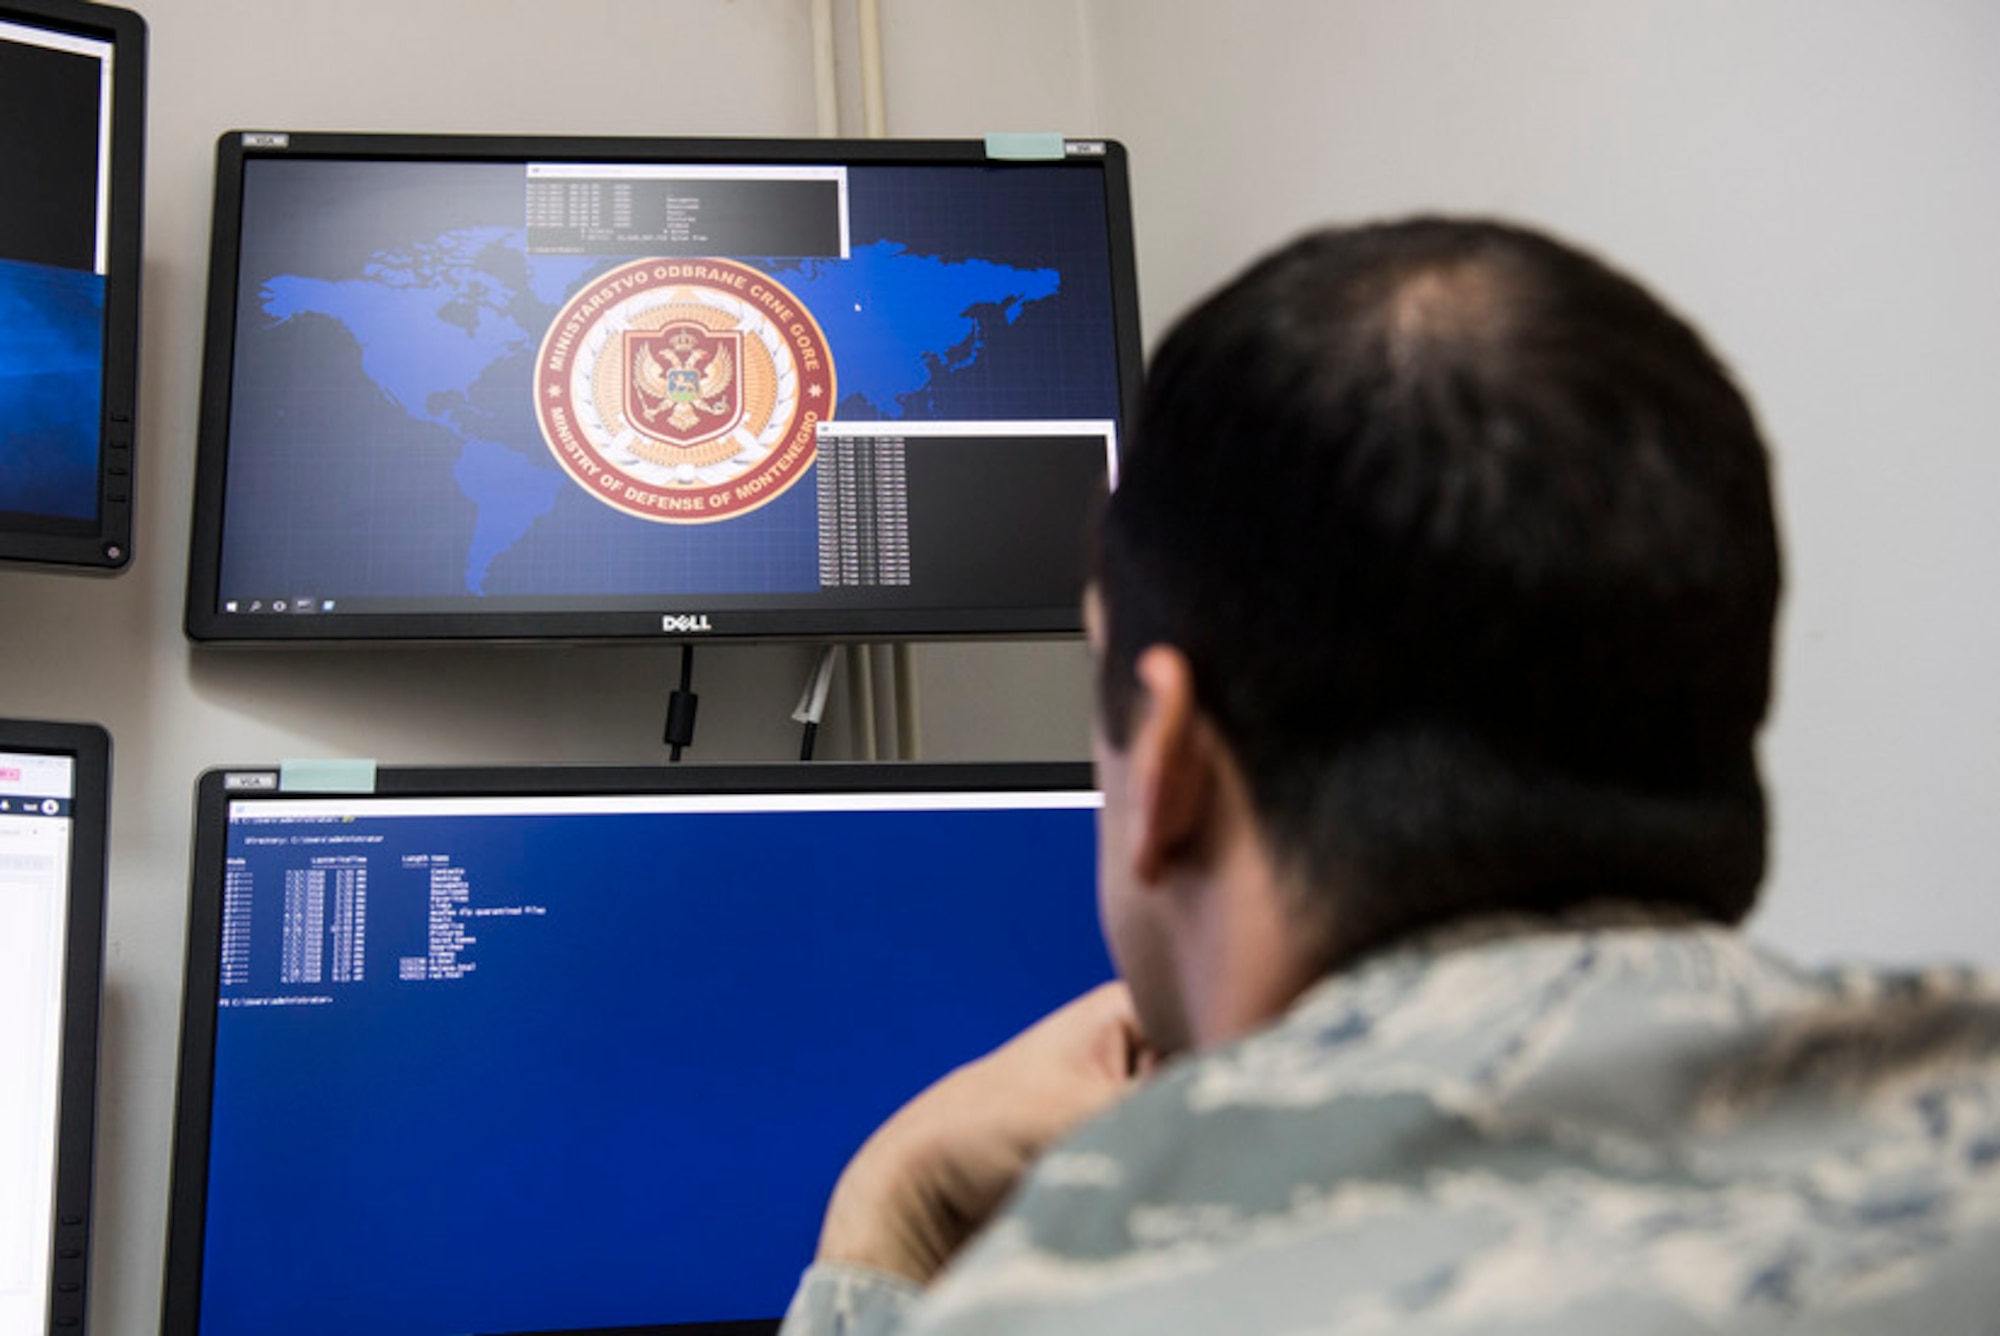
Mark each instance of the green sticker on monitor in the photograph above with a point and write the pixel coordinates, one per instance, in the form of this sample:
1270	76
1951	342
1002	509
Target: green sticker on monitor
336	775
1025	148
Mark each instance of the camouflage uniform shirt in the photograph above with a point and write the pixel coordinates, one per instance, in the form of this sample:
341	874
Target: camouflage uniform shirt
1625	1129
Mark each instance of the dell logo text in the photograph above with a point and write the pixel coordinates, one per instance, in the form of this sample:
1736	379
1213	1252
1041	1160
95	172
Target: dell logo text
673	624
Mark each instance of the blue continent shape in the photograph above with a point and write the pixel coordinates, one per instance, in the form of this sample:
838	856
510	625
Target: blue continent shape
393	312
394	308
937	327
508	493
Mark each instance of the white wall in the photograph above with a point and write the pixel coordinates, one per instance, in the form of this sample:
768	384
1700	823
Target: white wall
1813	183
1811	180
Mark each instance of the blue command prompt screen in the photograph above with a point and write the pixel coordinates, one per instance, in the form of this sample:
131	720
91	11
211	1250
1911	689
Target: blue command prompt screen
510	1064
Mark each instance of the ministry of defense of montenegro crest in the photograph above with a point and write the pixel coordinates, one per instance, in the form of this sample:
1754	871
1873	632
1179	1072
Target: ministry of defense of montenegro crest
681	388
684	391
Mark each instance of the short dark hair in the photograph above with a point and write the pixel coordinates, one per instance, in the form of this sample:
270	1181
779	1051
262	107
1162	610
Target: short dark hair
1469	542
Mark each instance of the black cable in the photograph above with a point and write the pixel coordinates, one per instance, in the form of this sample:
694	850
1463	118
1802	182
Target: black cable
681	706
812	701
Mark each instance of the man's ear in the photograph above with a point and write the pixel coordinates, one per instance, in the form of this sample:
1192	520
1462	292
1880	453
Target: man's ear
1172	755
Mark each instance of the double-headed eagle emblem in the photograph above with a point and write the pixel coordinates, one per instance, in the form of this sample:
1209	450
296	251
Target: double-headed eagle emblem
678	377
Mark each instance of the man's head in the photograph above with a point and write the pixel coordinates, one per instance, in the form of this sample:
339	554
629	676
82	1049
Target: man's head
1466	545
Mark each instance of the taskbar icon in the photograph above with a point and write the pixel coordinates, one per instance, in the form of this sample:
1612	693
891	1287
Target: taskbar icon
258	607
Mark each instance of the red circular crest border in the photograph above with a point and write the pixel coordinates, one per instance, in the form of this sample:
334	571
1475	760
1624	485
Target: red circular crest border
788	458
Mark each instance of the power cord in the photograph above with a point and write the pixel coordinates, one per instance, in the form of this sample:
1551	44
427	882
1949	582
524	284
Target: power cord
681	706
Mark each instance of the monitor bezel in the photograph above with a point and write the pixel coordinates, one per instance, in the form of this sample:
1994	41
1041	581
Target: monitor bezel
102	545
88	747
204	624
217	789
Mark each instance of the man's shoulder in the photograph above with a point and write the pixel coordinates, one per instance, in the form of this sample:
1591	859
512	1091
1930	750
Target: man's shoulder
1635	1117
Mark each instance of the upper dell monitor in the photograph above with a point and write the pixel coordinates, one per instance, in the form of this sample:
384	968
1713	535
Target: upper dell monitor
72	132
630	389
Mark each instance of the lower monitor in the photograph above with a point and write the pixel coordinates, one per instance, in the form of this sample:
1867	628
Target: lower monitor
584	1050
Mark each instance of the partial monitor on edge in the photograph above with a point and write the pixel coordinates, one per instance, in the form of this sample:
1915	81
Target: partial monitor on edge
54	798
72	139
469	388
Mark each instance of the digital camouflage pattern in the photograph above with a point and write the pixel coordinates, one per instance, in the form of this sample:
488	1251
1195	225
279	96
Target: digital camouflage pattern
1626	1128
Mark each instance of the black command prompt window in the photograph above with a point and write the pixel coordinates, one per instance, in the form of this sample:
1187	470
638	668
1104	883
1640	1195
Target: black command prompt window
686	212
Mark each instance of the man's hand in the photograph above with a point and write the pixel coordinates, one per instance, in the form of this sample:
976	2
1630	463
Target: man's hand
932	1175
